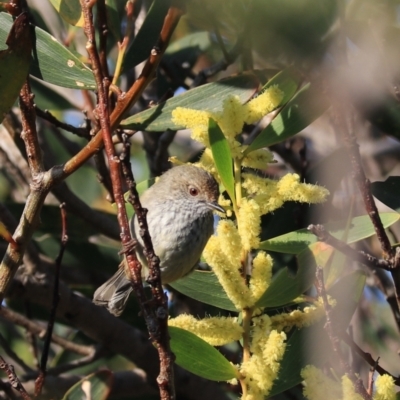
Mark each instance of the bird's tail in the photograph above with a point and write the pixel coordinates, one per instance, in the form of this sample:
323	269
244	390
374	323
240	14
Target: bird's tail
114	293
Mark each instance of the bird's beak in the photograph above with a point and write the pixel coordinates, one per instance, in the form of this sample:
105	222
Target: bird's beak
215	206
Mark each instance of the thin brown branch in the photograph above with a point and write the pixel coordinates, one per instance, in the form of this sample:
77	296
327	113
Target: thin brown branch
367	357
48	116
40	331
334	338
360	256
56	298
158	326
29	133
153	319
13	379
103	33
10	352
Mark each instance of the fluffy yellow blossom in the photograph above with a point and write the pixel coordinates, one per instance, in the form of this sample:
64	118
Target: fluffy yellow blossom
262	368
228	274
259	333
270	194
249	223
291	189
232	117
261	274
300	319
216	331
349	392
318	386
230	241
385	388
264	103
258	159
196	120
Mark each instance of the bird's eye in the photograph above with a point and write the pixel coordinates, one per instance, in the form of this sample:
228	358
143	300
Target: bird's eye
193	191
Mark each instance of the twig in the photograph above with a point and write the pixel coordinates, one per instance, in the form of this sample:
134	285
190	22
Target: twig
56	298
370	261
330	329
29	133
103	33
371	377
82	132
39	330
157	324
10	352
13	379
367	259
367	357
60	369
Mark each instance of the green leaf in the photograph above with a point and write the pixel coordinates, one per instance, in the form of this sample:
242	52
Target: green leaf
208	97
69	10
284	288
96	386
388	192
147	36
222	157
14	62
303	345
53	62
297	241
199	357
204	286
287	80
304	108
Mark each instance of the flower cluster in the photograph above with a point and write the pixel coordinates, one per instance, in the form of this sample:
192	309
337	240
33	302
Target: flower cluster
243	270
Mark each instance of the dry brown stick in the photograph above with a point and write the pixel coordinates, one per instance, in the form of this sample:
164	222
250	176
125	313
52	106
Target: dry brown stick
334	338
367	357
159	327
13	379
48	116
40	331
10	352
56	297
165	378
367	259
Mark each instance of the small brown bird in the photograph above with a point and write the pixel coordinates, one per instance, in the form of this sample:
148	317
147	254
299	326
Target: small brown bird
180	221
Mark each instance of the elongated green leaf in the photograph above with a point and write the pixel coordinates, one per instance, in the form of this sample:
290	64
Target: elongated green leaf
96	386
53	62
205	287
302	346
14	62
388	192
304	108
199	357
297	241
208	97
222	157
284	288
147	36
